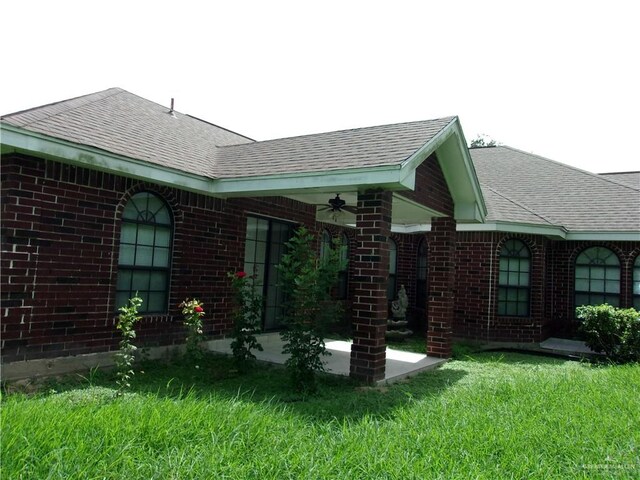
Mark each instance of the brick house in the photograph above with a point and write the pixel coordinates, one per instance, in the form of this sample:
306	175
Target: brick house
108	194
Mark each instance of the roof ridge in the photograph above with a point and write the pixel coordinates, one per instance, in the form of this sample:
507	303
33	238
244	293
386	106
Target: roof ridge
523	206
218	126
449	118
579	170
116	91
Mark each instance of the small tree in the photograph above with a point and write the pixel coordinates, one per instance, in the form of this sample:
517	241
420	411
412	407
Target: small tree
309	308
247	313
126	355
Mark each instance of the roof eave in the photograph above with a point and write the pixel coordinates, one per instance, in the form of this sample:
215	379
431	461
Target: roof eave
555	232
20	140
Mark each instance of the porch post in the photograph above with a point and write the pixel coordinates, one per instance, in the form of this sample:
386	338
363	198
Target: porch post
371	272
441	285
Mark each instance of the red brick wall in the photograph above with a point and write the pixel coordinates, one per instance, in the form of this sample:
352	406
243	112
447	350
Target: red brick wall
60	237
477	269
552	273
561	281
431	188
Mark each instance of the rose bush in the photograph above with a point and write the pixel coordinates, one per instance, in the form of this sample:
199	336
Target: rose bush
192	313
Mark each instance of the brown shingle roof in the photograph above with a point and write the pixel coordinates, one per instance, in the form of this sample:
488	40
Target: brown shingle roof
357	148
542	191
123	123
126	124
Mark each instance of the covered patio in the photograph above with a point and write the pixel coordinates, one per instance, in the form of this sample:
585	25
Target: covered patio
413	179
398	365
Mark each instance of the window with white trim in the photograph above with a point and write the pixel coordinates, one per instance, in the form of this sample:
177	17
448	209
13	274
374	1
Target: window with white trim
514	282
144	261
597	277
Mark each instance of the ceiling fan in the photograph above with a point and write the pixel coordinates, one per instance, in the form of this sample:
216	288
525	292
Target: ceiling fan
337	205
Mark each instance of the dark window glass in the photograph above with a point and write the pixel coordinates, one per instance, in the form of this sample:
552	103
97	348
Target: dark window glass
343	274
392	290
264	248
514	279
597	277
144	261
421	275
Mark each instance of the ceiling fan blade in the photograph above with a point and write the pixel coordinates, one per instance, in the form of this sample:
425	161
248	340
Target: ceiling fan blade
350	209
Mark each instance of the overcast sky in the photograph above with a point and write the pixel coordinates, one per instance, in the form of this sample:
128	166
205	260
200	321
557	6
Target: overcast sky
557	78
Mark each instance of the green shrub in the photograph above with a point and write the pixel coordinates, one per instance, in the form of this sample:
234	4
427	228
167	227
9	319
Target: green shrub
309	308
126	355
247	315
193	312
612	331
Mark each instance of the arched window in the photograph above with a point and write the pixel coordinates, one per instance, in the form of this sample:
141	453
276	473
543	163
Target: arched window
343	274
597	277
421	275
145	253
514	279
392	289
636	283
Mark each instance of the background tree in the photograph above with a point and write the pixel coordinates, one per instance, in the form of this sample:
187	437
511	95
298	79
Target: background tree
482	141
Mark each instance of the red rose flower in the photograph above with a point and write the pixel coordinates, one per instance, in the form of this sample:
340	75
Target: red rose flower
198	309
241	274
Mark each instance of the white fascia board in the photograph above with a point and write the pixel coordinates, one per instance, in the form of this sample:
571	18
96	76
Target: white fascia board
470	170
470	211
605	236
419	156
384	177
25	141
549	231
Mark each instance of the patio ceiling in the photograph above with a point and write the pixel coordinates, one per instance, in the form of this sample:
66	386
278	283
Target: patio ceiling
407	215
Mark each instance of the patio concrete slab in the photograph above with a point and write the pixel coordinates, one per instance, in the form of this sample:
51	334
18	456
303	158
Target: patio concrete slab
399	364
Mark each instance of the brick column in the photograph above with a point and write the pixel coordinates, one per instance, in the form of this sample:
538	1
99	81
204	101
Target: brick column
371	272
441	286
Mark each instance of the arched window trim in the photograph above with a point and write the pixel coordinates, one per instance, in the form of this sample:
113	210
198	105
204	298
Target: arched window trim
514	279
597	277
146	250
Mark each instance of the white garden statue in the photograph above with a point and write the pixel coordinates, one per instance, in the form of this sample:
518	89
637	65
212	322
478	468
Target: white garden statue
399	306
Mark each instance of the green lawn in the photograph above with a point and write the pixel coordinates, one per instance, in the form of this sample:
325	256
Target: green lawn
490	416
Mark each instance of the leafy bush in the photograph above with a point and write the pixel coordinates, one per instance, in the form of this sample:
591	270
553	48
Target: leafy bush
126	355
309	307
246	318
193	312
612	331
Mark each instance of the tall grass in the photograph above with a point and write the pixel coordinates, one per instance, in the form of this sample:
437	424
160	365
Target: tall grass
492	416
